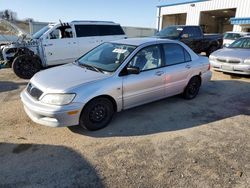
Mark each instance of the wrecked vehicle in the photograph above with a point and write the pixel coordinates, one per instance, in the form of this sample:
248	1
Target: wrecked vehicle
56	44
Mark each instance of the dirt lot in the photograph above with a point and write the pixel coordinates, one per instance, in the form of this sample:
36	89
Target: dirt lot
204	142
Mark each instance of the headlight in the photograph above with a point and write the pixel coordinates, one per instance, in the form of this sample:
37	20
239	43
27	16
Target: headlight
58	99
247	61
212	58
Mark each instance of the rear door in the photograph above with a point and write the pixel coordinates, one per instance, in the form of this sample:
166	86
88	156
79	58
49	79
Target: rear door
60	46
148	85
178	68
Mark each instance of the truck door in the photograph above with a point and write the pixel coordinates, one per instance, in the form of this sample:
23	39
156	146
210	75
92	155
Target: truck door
192	37
60	46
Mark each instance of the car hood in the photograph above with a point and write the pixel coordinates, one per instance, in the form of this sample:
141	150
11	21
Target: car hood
233	53
65	77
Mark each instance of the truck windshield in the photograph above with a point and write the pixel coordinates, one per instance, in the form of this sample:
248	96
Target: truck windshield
170	32
39	33
107	57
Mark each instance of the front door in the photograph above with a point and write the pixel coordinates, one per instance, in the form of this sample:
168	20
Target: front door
148	85
60	46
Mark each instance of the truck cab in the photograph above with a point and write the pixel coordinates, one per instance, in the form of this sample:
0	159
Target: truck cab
193	37
58	44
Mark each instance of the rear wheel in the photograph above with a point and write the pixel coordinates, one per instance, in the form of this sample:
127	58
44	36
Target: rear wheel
192	89
25	66
97	114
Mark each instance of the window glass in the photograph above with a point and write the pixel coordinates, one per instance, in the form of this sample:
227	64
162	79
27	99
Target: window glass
110	30
192	32
148	58
187	55
241	43
86	30
55	34
174	54
106	57
61	32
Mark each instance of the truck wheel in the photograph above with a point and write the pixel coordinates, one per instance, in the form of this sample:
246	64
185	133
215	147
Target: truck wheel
192	89
211	50
97	114
25	66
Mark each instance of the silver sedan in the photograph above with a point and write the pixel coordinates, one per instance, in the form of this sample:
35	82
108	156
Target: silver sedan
233	59
113	77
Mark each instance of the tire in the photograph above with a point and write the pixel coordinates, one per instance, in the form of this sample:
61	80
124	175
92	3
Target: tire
192	89
97	114
211	50
25	66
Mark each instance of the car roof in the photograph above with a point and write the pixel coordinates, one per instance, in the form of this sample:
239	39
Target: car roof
237	32
140	41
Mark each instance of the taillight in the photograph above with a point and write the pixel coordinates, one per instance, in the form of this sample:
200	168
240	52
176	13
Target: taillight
209	66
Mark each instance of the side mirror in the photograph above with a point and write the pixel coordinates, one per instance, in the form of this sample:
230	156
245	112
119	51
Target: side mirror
133	70
185	36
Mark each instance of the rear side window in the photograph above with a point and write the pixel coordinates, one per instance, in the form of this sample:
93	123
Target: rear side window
98	30
86	30
175	54
110	30
192	32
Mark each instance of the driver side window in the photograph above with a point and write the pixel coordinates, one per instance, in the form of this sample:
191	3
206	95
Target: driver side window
61	32
146	59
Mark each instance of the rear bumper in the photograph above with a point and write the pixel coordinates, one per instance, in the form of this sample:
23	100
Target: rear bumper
231	68
206	77
50	115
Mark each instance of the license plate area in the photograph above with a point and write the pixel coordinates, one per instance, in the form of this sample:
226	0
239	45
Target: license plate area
227	67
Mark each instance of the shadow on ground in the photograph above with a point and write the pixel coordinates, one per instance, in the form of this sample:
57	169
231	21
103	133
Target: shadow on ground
216	101
32	165
9	86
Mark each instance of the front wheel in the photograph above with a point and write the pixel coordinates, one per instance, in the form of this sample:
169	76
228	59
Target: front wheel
192	89
97	114
25	66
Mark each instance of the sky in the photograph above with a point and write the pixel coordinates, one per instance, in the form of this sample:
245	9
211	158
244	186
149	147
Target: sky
138	13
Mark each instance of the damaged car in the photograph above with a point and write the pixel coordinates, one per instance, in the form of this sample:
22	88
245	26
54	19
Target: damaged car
56	44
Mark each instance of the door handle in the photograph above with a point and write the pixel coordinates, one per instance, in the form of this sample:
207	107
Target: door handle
188	66
159	73
48	45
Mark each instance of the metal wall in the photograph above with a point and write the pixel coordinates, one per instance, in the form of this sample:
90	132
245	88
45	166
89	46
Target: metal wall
193	10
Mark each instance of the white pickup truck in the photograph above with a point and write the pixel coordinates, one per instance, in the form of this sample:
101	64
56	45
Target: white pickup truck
57	44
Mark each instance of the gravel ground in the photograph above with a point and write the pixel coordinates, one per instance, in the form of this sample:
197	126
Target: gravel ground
169	143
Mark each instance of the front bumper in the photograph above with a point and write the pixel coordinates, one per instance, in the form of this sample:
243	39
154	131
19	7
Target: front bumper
231	68
51	115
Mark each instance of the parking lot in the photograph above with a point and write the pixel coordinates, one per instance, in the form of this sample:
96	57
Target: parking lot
169	143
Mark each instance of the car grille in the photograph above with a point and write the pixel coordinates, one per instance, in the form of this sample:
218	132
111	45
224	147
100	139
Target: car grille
33	91
227	60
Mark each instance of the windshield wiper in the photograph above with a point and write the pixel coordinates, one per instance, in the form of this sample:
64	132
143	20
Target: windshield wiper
90	67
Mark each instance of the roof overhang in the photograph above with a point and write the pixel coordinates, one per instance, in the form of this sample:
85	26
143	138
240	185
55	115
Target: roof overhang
181	2
240	21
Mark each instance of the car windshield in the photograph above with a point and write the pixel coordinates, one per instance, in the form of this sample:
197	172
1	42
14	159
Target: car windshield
232	36
107	57
39	33
241	43
170	32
